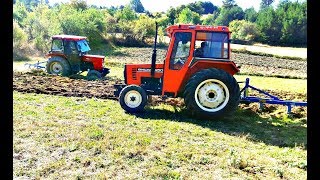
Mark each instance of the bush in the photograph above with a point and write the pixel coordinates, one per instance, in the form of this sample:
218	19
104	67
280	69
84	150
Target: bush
144	28
243	30
21	48
41	24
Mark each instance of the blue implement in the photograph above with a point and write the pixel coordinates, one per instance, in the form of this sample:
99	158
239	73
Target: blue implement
37	65
245	98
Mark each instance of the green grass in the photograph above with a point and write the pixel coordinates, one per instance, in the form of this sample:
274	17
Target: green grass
81	138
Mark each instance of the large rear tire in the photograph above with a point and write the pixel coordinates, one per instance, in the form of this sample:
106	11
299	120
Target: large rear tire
211	93
133	98
58	65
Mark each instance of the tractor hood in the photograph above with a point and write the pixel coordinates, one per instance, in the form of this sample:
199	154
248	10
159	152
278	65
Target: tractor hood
96	60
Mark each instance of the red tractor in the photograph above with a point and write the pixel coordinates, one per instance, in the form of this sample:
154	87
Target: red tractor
197	67
69	55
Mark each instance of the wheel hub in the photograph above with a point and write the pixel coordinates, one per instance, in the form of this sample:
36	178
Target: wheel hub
133	99
211	95
56	68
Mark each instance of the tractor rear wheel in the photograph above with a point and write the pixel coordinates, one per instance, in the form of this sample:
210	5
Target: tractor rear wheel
133	98
211	93
94	75
59	66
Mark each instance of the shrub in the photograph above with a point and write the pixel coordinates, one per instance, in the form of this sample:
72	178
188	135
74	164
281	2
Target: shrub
243	30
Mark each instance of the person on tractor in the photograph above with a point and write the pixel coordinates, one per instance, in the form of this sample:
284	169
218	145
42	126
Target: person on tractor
200	51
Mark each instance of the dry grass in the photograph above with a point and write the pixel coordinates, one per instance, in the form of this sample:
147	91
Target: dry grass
274	50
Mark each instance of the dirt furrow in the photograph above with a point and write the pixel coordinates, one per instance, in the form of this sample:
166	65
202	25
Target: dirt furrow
28	82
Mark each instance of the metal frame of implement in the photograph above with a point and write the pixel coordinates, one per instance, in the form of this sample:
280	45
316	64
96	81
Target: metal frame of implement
272	100
36	65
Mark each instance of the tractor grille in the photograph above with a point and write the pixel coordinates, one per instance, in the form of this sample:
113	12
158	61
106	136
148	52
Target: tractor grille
134	73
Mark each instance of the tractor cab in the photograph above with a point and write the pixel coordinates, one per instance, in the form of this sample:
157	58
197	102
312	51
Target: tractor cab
71	56
197	67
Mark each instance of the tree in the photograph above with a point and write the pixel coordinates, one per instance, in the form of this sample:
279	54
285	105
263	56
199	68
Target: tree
293	17
172	15
269	25
229	14
208	7
29	3
210	19
19	13
265	3
126	14
228	3
189	17
196	7
137	6
250	15
79	4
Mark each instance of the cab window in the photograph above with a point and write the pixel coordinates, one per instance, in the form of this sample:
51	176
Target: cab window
180	50
212	45
57	45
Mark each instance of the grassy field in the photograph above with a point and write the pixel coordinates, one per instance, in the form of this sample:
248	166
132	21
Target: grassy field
58	137
274	50
81	138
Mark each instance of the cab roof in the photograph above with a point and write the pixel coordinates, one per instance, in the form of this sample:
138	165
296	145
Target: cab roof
207	28
68	37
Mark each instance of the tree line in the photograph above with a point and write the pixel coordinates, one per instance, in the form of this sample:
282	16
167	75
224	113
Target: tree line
34	22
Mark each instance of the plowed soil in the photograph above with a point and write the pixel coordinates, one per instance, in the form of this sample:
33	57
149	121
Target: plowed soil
39	82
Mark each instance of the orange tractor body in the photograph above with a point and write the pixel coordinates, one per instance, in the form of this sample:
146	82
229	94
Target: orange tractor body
202	76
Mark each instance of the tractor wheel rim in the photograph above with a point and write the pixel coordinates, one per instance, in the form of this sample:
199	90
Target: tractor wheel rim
56	68
133	99
212	95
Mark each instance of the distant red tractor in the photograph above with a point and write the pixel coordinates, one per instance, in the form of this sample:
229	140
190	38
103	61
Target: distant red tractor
69	55
202	76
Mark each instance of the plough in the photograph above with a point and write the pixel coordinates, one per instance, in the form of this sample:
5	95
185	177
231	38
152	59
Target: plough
37	65
245	98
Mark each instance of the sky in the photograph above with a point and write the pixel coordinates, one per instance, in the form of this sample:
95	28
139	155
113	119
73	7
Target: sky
164	5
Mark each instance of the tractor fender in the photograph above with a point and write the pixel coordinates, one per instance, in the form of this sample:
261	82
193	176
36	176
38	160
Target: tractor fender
226	65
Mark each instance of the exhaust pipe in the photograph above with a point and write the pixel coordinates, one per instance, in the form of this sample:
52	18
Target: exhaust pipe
154	54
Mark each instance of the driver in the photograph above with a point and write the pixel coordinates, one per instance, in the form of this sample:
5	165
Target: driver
200	51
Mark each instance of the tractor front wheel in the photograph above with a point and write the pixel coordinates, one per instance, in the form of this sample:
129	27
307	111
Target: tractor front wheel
59	66
212	93
94	75
133	98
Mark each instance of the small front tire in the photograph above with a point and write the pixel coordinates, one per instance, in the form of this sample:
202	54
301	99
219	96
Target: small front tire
133	98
